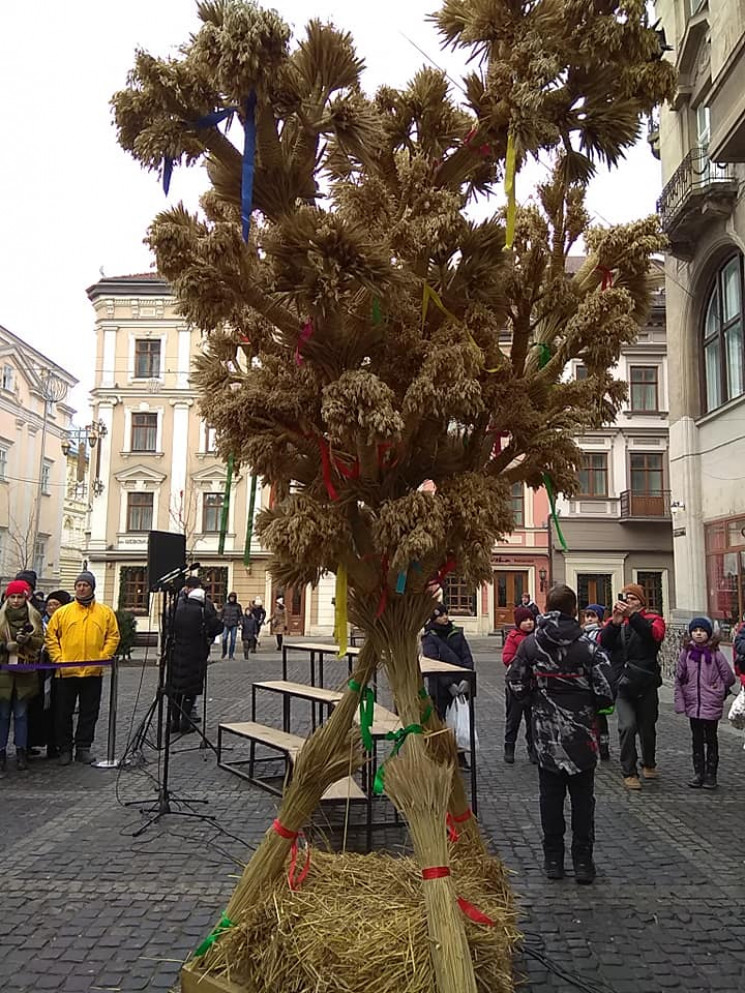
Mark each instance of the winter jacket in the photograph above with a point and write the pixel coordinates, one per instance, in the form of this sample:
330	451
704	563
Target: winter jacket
633	648
702	679
738	652
26	684
249	627
445	643
565	677
260	615
514	639
81	632
533	608
195	625
593	632
231	614
278	622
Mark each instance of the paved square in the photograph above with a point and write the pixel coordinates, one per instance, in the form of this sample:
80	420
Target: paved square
87	907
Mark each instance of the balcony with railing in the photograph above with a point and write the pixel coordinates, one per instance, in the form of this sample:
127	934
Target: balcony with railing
653	506
699	192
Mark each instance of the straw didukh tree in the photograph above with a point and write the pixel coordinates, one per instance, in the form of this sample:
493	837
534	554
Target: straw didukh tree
367	335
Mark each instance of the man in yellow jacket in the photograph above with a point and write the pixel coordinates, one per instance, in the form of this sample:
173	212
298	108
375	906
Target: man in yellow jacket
87	632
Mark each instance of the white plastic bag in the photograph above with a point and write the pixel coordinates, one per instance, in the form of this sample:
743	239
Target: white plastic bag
736	715
458	717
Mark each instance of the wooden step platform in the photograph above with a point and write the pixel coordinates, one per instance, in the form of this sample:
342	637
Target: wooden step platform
288	746
301	690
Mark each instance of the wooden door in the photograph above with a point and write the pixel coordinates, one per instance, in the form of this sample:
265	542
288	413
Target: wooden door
295	606
508	589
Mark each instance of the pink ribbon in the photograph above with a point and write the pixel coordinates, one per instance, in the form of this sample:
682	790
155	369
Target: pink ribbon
305	335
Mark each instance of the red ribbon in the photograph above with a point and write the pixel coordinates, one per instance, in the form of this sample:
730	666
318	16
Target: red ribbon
443	573
607	282
499	437
326	468
436	872
474	913
452	819
284	832
305	335
383	601
384	447
467	141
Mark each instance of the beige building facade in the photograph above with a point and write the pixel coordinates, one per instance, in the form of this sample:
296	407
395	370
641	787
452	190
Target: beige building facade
34	422
154	466
702	150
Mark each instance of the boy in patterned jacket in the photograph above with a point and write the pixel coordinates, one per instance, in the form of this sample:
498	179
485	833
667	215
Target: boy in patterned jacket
565	677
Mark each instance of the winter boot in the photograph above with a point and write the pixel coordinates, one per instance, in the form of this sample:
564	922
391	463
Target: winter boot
712	764
553	865
698	769
509	754
604	748
3	763
65	758
584	870
84	756
21	759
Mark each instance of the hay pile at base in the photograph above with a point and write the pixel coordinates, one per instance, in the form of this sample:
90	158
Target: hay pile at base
358	924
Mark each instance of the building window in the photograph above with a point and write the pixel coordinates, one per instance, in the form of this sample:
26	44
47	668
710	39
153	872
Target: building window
593	475
139	512
651	583
595	587
580	372
46	472
144	432
133	592
215	582
646	473
643	387
725	572
459	597
212	512
40	556
517	502
8	377
723	331
209	438
3	463
147	358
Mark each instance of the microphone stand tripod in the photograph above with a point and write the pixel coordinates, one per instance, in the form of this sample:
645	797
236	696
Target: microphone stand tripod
163	805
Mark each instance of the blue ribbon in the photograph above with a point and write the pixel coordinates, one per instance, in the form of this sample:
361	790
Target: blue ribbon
214	118
401	582
249	154
167	173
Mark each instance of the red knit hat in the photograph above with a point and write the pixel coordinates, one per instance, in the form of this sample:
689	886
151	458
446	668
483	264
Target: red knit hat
523	614
18	586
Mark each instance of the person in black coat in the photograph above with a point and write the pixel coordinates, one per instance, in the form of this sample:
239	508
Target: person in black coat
443	641
195	625
249	632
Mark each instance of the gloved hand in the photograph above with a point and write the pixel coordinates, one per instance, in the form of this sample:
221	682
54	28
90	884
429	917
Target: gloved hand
22	637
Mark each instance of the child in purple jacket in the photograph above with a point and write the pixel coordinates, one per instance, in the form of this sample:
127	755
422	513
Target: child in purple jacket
702	680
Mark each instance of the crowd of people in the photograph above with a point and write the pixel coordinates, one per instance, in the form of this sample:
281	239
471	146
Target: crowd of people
567	672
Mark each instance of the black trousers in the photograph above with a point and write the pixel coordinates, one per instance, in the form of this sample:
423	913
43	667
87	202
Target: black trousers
86	692
638	717
553	790
515	710
179	708
704	736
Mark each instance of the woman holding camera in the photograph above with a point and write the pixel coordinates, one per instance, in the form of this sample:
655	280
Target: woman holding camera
21	638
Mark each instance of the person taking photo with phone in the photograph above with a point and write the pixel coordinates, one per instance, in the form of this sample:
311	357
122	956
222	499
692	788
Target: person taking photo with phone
632	638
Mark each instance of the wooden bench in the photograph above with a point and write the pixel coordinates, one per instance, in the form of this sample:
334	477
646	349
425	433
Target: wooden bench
315	694
288	746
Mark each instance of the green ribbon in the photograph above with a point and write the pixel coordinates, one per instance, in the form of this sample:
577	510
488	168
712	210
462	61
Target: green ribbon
224	925
544	353
398	738
367	712
606	711
225	507
424	695
250	523
554	517
377	311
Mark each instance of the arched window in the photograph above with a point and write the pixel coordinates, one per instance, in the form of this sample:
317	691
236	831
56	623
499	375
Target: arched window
723	336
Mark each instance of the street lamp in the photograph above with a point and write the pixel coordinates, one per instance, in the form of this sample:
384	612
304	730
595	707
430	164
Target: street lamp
94	432
66	445
53	390
542	574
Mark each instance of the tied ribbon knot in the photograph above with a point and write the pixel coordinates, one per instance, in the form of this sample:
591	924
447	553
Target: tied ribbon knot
473	913
294	879
398	738
224	925
452	819
367	712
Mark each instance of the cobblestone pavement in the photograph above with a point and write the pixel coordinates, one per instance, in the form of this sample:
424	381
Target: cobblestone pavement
87	907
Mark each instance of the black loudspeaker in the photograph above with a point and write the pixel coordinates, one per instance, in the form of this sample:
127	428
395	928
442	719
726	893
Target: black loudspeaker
166	553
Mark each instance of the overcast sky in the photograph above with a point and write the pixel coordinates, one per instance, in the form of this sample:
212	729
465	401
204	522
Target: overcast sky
72	203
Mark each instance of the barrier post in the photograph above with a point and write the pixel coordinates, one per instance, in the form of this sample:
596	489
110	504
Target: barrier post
111	761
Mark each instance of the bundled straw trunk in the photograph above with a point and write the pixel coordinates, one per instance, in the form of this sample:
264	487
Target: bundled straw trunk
420	789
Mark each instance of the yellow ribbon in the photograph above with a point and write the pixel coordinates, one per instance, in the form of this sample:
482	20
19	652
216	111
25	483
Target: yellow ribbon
509	188
433	295
340	625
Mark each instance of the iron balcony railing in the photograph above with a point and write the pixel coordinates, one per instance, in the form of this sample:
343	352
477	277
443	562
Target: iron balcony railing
696	173
655	505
